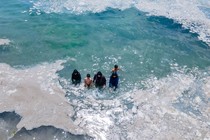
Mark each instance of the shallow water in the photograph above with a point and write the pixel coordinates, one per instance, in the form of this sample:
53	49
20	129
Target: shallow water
163	56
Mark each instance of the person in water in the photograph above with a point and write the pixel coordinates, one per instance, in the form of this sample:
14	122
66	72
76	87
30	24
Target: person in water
76	77
113	81
99	80
88	81
115	69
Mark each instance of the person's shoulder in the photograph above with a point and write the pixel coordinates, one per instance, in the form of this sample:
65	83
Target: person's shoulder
114	70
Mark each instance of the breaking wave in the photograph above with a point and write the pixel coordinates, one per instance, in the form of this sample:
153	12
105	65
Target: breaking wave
193	14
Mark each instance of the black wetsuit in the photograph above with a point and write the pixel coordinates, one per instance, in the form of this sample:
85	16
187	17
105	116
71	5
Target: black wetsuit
76	77
99	80
113	82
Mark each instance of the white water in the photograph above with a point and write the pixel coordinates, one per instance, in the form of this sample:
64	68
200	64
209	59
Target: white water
4	42
155	112
149	113
35	94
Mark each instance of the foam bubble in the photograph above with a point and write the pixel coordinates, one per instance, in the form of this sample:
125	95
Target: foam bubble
150	112
4	41
188	13
158	117
80	6
38	87
146	113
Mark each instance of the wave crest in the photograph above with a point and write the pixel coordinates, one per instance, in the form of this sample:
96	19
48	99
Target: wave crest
193	14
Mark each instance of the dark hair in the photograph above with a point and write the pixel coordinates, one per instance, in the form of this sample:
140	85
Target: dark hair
115	66
88	75
99	73
75	71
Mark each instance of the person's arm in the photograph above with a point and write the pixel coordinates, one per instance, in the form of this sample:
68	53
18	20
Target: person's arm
94	78
72	77
104	81
91	82
85	83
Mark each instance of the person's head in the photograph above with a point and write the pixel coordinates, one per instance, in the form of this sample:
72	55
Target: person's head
88	75
75	71
99	74
115	66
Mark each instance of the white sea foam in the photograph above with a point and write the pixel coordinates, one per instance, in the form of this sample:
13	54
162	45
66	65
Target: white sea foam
158	118
36	95
153	114
193	14
4	41
188	13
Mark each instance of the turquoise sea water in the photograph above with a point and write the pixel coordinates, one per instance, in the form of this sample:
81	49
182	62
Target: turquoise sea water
143	45
140	45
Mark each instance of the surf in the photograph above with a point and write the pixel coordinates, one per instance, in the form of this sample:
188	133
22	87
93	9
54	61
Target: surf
163	78
193	15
